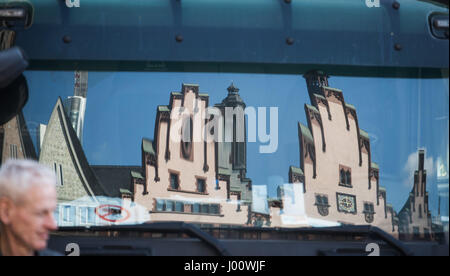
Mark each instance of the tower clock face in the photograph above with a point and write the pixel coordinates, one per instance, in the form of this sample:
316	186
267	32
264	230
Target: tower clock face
346	203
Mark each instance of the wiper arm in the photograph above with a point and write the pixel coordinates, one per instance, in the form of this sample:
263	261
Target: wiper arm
371	231
159	227
347	230
368	230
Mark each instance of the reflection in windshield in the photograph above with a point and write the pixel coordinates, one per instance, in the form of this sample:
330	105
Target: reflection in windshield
231	158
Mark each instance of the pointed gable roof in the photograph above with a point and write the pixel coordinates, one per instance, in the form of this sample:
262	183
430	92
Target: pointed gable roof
61	139
19	135
25	137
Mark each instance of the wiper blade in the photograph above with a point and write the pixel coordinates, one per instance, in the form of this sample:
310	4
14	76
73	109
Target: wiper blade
158	227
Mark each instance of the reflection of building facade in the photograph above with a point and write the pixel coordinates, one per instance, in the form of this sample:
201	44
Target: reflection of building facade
415	218
205	182
62	151
340	181
75	105
232	152
181	179
15	140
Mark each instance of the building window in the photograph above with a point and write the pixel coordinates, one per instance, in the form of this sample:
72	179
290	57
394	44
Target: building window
13	151
345	176
368	212
56	216
322	205
91	215
159	205
174	183
348	178
68	214
61	178
342	176
204	209
84	215
214	209
420	211
201	185
186	207
169	206
196	208
179	207
416	233
186	138
59	174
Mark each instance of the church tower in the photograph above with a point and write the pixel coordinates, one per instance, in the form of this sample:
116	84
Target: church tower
415	217
232	151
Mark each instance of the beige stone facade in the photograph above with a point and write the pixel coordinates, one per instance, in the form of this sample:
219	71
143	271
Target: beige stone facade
62	152
336	182
340	181
181	181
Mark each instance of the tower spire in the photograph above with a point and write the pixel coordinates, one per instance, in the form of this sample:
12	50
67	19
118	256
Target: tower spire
232	89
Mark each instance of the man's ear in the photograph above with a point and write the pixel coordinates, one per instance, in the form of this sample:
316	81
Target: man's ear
6	209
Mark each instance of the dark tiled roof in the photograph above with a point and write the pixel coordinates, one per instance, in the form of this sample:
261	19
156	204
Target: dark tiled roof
115	178
30	152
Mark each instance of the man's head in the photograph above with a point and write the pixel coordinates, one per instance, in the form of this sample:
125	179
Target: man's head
27	203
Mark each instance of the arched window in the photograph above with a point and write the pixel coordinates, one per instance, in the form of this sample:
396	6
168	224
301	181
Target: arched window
348	178
186	137
342	180
345	176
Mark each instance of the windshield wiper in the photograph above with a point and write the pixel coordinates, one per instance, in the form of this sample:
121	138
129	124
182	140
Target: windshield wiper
158	227
371	231
348	231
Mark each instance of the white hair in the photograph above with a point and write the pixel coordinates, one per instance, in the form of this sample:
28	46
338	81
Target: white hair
17	176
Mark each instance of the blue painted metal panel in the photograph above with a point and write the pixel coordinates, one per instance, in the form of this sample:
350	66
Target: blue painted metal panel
323	32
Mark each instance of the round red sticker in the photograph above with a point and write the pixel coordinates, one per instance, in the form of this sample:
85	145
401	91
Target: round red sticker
112	213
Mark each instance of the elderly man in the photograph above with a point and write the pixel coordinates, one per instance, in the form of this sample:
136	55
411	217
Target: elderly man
27	203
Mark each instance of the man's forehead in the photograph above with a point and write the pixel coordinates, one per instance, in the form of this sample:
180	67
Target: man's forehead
39	194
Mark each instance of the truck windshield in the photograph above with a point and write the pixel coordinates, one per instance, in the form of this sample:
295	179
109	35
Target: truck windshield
223	150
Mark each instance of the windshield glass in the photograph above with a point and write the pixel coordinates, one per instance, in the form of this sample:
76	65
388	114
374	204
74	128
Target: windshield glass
237	150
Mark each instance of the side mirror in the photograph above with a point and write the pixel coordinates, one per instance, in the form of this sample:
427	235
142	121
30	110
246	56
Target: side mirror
13	85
